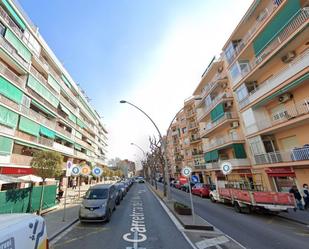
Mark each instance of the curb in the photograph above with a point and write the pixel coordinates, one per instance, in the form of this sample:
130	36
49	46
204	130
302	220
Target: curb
293	220
190	227
52	237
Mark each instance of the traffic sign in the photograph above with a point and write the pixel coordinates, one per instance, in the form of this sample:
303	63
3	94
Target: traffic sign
68	168
186	171
226	168
85	170
194	179
97	171
75	170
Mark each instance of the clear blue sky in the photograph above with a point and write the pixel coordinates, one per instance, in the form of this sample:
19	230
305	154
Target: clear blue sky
150	52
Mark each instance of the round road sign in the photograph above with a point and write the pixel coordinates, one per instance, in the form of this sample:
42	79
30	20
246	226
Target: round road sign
226	168
97	171
186	171
75	171
194	179
85	170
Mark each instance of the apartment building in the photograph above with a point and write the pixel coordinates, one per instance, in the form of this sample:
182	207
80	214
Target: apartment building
41	107
267	60
219	126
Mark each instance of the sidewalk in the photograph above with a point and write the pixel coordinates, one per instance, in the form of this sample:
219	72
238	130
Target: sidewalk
298	216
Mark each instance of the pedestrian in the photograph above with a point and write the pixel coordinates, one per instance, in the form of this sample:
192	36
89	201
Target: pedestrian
306	195
74	183
298	198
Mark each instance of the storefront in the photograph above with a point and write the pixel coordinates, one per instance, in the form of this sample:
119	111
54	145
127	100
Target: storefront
16	171
283	178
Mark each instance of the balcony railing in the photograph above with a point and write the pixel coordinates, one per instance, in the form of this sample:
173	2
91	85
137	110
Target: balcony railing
12	51
10	22
297	65
210	126
288	113
214	102
294	24
192	126
37	96
235	163
220	141
63	148
63	131
68	105
8	102
12	76
195	139
21	159
297	154
80	154
264	14
197	153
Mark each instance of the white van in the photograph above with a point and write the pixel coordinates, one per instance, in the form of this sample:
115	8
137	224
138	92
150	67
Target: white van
22	231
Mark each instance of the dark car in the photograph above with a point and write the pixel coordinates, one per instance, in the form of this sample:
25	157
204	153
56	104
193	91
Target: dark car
119	195
98	203
185	187
201	189
123	189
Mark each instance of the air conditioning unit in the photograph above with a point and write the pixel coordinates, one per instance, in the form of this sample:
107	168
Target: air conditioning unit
234	125
288	57
285	97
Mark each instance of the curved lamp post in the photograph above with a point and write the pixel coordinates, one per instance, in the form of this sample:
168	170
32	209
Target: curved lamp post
144	153
167	180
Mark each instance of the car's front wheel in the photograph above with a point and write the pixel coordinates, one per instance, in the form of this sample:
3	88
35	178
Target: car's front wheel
108	215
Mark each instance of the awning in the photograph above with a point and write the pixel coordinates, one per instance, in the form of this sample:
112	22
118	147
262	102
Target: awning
80	123
285	89
77	146
29	126
64	109
72	117
78	135
64	138
51	80
28	145
31	178
47	132
66	81
10	91
5	145
14	15
8	117
239	151
42	108
280	171
211	156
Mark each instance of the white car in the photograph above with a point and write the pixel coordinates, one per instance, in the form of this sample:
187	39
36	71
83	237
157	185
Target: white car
214	196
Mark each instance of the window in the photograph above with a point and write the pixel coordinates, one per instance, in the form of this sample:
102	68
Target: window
2	29
242	92
94	194
235	72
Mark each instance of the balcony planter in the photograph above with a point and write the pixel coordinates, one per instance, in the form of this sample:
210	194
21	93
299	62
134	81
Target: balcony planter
182	209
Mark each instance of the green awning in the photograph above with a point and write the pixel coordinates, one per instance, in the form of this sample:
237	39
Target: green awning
40	89
14	15
64	109
64	138
72	117
28	126
239	151
47	132
54	83
80	123
28	145
8	117
10	91
283	90
42	108
77	146
276	25
22	50
217	112
66	81
78	135
5	145
211	156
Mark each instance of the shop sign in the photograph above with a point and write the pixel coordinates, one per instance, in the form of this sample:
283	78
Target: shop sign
16	171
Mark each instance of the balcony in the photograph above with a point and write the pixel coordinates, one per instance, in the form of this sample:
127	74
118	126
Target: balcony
291	69
190	114
68	105
228	116
83	143
236	163
299	20
197	153
298	110
80	155
12	51
295	155
12	76
4	100
63	131
63	148
223	141
10	22
18	159
192	126
220	98
263	16
6	130
41	78
195	139
38	140
200	166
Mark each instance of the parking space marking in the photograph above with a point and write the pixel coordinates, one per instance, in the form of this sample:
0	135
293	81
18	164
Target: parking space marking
212	242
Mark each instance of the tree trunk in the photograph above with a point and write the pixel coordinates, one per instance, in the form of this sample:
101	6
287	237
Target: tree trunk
164	184
30	198
41	198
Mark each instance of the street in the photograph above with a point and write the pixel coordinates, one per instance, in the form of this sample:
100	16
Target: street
139	222
256	231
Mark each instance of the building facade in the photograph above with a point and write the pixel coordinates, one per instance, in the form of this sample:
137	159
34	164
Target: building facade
41	107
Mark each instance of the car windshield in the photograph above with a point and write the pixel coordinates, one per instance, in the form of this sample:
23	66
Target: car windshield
95	194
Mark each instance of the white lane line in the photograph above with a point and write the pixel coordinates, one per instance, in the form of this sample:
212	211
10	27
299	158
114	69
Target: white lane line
61	235
212	242
174	220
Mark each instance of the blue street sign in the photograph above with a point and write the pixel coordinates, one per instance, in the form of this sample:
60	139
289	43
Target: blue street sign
194	179
97	171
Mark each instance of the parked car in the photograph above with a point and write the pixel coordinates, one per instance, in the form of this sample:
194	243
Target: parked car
119	196
141	180
123	189
185	187
23	231
201	189
98	204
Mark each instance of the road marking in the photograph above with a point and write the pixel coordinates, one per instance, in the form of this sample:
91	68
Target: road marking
212	242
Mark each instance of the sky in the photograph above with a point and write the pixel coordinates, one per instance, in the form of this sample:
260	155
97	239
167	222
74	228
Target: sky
149	52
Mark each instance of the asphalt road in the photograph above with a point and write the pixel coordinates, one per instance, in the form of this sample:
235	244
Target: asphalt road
155	229
256	231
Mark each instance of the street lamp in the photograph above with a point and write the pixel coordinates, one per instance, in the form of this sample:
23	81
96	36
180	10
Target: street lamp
167	180
144	153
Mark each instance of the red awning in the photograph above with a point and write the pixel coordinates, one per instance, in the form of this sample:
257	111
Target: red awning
16	171
280	171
